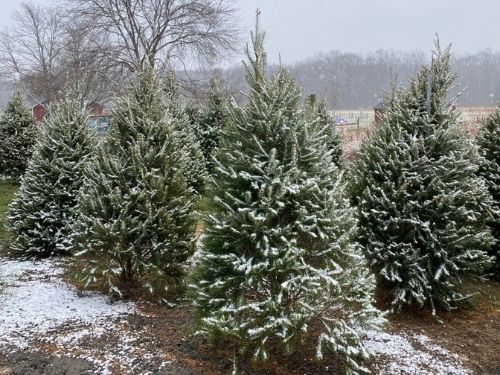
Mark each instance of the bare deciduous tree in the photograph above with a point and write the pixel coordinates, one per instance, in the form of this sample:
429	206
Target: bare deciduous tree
161	33
30	50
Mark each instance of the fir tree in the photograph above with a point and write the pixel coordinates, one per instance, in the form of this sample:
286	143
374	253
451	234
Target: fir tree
488	140
136	223
211	121
334	140
17	129
196	174
422	208
277	256
42	212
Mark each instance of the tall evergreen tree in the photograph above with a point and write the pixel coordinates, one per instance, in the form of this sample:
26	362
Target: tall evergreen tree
196	174
488	140
17	130
136	223
277	255
422	208
211	121
42	212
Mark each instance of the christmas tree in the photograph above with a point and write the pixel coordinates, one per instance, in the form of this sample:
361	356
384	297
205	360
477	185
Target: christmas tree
422	209
42	212
211	121
196	174
334	140
17	127
277	255
136	222
488	140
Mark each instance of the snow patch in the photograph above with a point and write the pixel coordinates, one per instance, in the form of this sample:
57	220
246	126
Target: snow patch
398	356
37	308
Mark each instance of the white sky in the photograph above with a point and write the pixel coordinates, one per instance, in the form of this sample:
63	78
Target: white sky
297	29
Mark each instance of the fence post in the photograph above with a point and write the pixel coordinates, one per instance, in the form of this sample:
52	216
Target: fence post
358	123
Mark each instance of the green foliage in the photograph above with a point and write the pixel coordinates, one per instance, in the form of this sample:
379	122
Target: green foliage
18	134
136	222
278	256
7	193
422	208
488	140
319	112
42	212
196	174
211	121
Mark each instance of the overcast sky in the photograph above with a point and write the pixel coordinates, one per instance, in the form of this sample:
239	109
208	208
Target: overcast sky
297	29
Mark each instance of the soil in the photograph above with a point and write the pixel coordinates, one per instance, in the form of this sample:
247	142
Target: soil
168	334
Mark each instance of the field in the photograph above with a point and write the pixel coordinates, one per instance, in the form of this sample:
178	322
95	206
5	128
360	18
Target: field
353	134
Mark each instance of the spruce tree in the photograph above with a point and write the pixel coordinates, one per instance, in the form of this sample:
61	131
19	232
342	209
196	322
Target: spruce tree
422	209
488	140
42	212
211	121
196	174
334	140
136	223
17	129
277	255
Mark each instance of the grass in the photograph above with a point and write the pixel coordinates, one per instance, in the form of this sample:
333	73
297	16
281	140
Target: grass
7	192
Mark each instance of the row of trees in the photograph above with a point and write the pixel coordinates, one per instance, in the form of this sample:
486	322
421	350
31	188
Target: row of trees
293	241
103	42
355	80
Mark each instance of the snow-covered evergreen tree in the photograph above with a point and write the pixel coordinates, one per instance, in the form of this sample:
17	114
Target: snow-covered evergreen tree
277	257
197	174
136	223
422	208
488	140
334	139
211	121
41	214
17	138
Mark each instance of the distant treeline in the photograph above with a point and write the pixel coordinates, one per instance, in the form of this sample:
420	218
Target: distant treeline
350	80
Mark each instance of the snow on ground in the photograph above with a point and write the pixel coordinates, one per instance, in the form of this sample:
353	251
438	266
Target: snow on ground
412	354
38	311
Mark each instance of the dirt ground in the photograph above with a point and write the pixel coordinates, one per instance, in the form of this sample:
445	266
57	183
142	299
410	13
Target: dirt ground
155	339
474	334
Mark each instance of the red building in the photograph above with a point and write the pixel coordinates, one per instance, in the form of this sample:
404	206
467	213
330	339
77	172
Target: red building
38	111
98	114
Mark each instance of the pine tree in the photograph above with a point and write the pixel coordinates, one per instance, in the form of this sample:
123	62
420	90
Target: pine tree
17	129
42	212
334	139
211	121
196	174
422	208
277	255
136	223
488	140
